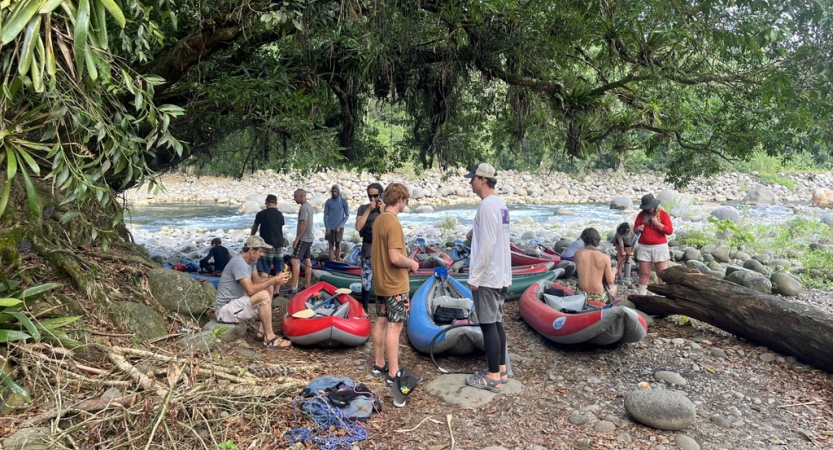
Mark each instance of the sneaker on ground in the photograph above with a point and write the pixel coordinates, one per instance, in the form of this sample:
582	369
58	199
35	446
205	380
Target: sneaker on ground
377	371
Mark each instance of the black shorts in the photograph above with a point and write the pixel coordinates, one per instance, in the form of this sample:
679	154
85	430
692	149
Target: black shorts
302	251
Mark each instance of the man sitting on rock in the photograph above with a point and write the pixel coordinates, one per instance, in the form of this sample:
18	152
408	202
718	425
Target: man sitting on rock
243	294
594	269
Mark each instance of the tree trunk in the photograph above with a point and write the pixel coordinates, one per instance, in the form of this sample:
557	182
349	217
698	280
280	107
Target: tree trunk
790	328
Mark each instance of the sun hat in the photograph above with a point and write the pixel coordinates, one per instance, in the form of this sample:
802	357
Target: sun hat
256	242
482	170
649	202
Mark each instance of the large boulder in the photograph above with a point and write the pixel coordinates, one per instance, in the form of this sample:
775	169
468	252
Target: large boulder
202	342
249	207
226	332
180	293
424	209
661	409
827	218
621	202
138	319
416	192
38	438
317	201
760	195
822	198
727	213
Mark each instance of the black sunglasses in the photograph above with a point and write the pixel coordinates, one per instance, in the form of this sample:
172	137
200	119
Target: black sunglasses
373	195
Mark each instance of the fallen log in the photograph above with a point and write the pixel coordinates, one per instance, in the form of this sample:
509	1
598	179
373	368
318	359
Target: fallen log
787	327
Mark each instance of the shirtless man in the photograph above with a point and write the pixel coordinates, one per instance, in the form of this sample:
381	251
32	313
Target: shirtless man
594	266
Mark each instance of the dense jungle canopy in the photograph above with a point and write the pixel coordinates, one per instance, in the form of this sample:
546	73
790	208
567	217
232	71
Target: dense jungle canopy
99	95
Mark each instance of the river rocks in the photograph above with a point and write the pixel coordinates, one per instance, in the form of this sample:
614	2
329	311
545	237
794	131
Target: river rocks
661	409
697	265
721	254
759	284
424	209
786	284
760	195
822	198
748	278
686	443
692	254
621	202
827	218
726	213
670	377
178	292
138	319
757	266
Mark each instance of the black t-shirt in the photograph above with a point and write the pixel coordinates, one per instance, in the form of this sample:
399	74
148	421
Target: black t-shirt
271	226
367	231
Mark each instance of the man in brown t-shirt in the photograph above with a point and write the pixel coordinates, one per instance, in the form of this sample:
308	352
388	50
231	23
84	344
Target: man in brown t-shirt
391	266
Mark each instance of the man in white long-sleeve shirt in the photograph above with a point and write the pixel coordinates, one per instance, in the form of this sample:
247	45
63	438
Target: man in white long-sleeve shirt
490	274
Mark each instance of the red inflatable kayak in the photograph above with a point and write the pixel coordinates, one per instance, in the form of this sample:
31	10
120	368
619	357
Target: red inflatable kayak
565	318
338	319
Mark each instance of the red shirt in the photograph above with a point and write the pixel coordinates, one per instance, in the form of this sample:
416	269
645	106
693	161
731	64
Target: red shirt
653	235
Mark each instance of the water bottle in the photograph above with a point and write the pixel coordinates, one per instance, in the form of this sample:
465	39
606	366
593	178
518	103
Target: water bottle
643	386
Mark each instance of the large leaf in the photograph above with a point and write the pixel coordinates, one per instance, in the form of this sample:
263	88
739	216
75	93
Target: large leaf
37	290
6	302
30	39
22	14
12	335
27	323
115	11
57	322
31	193
81	31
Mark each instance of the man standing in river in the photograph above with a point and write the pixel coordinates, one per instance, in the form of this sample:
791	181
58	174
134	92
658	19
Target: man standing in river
490	275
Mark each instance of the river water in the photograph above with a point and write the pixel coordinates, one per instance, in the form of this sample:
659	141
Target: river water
152	218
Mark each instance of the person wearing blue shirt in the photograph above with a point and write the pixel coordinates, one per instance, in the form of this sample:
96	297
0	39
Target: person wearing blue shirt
336	212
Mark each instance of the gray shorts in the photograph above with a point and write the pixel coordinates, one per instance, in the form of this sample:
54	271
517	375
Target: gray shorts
237	310
396	308
488	304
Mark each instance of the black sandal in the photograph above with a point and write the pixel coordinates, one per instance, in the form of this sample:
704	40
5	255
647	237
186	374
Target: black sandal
270	344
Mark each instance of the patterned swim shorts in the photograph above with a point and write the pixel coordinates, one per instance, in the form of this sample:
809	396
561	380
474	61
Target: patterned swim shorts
602	297
367	274
396	307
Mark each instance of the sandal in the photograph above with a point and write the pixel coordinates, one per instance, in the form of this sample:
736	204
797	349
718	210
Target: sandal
254	332
483	382
283	345
504	376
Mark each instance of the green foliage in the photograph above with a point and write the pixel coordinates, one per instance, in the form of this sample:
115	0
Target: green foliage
731	232
18	324
695	238
227	445
75	112
775	179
